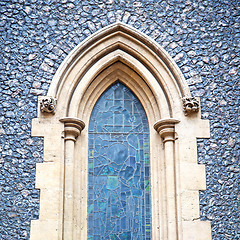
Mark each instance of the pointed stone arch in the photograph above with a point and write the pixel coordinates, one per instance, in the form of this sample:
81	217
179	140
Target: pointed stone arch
119	53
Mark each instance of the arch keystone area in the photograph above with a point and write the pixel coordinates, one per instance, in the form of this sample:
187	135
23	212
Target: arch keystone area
119	52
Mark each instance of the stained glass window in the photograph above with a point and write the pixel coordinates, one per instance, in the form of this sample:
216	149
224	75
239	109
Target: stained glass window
119	204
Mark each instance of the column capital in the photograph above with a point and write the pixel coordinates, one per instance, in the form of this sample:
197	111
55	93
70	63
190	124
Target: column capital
72	127
166	128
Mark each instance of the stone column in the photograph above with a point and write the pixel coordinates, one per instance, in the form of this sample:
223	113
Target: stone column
72	129
166	129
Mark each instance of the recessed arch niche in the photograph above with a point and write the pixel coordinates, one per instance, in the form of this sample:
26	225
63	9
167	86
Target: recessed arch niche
119	52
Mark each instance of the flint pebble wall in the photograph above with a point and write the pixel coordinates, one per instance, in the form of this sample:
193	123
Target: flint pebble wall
203	37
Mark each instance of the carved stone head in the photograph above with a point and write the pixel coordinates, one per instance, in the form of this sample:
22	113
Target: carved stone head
48	105
190	105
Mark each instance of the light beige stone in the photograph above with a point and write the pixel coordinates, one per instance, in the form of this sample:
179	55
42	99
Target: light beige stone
49	208
190	205
48	175
199	230
47	230
193	176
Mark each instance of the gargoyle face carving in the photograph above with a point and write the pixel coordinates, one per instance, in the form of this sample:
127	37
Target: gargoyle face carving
190	105
48	105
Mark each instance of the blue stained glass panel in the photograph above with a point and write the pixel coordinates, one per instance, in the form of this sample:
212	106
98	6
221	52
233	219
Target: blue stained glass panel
119	198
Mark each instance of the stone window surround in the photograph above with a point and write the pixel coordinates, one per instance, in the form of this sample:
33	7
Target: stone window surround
119	53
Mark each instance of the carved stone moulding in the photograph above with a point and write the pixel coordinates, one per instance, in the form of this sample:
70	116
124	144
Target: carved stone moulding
190	105
48	105
72	127
166	128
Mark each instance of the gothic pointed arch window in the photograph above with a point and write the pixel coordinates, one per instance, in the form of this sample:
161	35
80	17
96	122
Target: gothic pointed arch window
124	152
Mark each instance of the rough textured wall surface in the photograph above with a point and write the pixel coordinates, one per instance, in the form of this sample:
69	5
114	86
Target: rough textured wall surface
201	36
